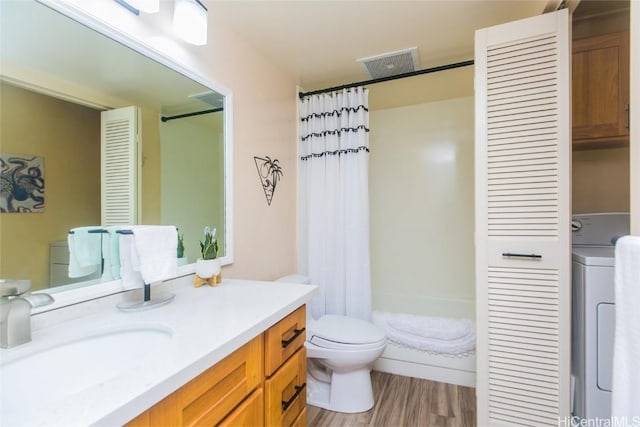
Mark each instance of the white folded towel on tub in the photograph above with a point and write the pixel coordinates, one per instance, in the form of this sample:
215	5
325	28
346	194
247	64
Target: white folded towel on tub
441	335
625	397
443	328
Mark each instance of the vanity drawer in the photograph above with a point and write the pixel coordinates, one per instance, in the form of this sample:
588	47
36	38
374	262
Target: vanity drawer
286	391
283	339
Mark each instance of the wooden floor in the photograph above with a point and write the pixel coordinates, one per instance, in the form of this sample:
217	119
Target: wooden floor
406	402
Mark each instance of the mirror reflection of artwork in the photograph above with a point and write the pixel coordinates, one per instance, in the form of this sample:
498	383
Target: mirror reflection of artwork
270	173
22	183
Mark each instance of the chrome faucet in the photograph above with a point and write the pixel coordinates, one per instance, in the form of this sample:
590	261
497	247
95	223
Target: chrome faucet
16	303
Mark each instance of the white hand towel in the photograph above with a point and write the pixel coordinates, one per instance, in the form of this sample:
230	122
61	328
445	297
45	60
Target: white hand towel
156	246
625	397
85	251
129	263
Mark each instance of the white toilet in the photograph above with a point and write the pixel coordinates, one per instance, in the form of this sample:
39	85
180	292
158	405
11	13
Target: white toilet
340	352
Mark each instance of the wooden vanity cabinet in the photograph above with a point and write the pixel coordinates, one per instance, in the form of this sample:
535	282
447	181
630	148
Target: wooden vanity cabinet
210	398
600	81
286	371
261	383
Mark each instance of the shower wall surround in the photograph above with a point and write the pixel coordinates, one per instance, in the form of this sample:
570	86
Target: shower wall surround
422	208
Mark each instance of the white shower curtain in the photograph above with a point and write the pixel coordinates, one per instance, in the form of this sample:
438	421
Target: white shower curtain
334	201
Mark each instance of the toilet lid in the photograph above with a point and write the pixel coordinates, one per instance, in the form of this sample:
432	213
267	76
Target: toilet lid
345	330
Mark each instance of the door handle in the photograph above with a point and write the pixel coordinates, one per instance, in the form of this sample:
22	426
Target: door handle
530	256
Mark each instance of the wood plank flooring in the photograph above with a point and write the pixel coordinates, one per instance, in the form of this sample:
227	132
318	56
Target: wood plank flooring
406	402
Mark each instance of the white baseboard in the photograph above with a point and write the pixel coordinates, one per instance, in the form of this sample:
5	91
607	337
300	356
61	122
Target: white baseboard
458	370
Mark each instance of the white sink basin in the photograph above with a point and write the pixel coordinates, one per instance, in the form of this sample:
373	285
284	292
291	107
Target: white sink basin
74	364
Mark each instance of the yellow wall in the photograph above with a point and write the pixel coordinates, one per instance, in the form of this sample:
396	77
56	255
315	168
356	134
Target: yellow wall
421	196
150	175
601	180
67	136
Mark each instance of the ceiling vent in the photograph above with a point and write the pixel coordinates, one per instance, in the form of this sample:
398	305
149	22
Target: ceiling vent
213	99
391	63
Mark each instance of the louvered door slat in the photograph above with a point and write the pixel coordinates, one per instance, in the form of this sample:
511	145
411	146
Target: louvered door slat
119	166
522	179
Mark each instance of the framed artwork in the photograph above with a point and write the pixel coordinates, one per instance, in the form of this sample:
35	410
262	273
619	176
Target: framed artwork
22	183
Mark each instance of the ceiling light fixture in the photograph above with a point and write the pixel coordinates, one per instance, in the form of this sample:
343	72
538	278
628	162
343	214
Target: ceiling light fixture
135	6
190	21
146	6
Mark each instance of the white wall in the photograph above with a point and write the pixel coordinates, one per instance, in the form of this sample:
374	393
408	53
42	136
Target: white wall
635	118
422	209
192	178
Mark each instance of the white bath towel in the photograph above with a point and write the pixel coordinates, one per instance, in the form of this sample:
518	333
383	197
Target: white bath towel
625	397
440	335
129	263
85	251
443	328
156	247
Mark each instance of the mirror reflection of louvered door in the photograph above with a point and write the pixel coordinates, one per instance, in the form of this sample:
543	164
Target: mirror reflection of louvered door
119	166
523	237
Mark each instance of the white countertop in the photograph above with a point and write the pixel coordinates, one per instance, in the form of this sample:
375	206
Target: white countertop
205	325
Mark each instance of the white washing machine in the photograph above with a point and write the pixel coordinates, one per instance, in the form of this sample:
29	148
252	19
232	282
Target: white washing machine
593	311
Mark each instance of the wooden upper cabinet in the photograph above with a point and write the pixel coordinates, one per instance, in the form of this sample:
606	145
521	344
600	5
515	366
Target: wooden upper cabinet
601	89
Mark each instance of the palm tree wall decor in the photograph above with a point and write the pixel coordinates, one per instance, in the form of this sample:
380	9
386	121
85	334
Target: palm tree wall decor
270	172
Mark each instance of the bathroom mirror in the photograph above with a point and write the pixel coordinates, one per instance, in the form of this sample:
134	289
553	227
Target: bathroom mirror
57	76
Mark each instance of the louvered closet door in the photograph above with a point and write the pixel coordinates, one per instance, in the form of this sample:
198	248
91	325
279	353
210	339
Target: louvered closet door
523	155
119	166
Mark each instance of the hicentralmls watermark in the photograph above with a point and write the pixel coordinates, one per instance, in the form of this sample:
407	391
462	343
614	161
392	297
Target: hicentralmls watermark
599	422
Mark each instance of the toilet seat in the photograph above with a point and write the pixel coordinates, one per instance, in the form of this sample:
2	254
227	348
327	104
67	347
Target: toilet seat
333	345
345	333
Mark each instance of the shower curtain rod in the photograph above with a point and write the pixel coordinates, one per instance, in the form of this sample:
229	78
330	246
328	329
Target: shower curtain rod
386	79
197	113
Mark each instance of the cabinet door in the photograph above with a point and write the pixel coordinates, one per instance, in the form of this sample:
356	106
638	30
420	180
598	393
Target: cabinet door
210	397
523	240
601	88
250	413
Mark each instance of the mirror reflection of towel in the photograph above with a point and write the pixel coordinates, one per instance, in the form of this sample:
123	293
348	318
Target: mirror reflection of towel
85	251
111	254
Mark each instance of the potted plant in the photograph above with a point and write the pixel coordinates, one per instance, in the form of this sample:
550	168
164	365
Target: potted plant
182	260
209	265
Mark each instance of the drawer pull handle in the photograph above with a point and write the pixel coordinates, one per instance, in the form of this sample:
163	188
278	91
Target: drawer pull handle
511	255
297	332
287	403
